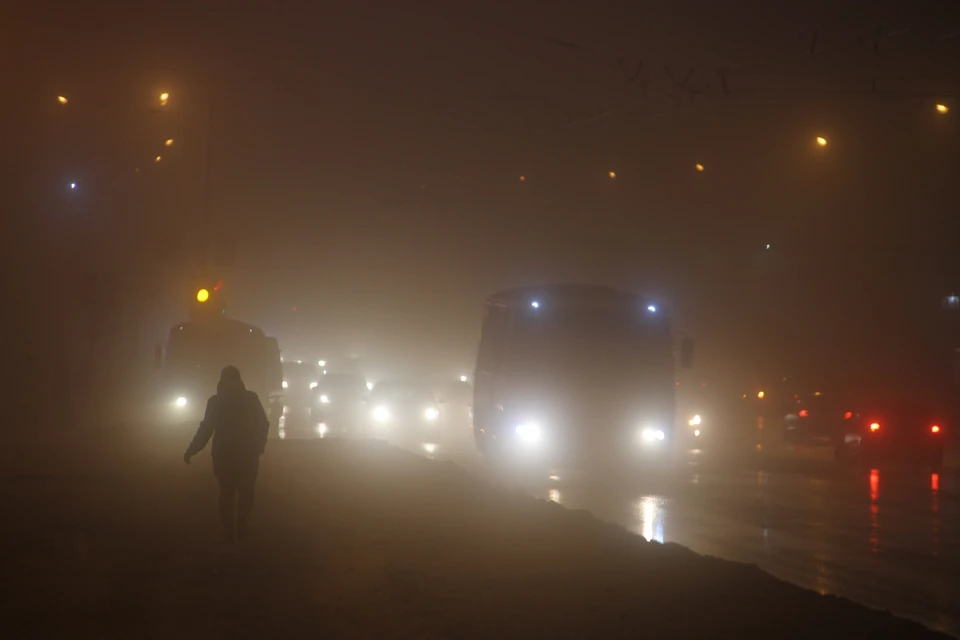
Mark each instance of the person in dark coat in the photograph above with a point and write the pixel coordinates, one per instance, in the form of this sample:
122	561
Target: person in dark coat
239	426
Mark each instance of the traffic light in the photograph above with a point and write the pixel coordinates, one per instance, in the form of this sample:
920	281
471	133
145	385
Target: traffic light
207	302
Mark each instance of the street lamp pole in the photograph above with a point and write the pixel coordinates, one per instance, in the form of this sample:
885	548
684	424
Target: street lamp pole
207	221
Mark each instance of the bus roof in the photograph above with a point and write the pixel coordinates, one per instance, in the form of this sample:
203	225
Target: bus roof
569	292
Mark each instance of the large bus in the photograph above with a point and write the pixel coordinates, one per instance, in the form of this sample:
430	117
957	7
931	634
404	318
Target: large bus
197	351
565	371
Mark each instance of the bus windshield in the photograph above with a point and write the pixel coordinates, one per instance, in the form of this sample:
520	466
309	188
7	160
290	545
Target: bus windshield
588	343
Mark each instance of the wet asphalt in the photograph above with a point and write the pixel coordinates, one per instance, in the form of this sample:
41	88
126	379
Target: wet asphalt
887	537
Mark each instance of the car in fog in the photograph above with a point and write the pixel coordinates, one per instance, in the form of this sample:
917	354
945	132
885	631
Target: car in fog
567	372
338	403
403	411
894	432
815	419
299	380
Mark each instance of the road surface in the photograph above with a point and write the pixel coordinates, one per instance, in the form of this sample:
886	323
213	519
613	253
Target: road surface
110	535
888	538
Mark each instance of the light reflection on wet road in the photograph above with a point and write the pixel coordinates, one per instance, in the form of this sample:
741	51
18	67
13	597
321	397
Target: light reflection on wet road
888	538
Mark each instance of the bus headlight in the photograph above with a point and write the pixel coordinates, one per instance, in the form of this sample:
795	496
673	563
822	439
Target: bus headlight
431	414
381	414
652	435
528	432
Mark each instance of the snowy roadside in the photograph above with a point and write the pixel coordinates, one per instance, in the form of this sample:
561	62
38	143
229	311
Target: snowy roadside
114	539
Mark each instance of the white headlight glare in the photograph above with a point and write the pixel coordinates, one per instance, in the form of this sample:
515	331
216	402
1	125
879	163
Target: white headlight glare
694	421
324	399
652	435
381	414
181	401
431	413
313	385
284	384
528	432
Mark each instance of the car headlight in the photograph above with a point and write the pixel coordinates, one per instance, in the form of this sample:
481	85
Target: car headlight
283	384
324	399
180	402
381	414
652	435
313	385
431	413
694	421
528	432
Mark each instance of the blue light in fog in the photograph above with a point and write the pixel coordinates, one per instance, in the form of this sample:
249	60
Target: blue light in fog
652	308
535	304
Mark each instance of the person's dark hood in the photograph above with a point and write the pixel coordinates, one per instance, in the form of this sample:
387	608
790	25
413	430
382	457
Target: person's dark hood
230	382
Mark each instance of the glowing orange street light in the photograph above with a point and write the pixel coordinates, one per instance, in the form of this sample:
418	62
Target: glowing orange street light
935	428
158	159
942	108
168	143
163	98
821	141
760	394
612	174
203	295
62	99
523	178
699	166
874	426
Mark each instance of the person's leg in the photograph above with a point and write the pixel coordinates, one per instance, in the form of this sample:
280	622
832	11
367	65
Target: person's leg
228	492
245	488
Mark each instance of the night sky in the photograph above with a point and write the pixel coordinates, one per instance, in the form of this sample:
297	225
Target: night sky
366	162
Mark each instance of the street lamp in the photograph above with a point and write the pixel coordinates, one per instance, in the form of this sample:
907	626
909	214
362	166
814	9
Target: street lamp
942	108
62	99
699	166
821	141
163	98
158	159
612	174
168	143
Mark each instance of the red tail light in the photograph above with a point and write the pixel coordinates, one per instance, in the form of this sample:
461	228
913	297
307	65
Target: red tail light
935	429
874	426
803	413
848	415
